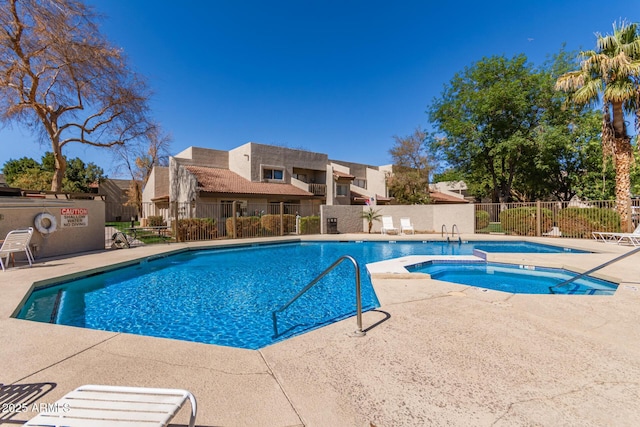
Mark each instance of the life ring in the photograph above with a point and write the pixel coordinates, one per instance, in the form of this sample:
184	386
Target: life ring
45	223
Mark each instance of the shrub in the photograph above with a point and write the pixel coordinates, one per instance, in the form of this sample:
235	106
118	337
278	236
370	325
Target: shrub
156	221
271	224
482	220
196	229
522	221
580	222
310	225
246	226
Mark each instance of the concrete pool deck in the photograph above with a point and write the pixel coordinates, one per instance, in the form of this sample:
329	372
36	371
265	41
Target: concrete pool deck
435	353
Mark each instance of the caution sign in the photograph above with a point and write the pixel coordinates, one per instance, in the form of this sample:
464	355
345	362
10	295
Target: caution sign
74	217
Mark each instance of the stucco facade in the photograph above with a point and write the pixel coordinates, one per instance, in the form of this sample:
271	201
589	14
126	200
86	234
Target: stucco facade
304	177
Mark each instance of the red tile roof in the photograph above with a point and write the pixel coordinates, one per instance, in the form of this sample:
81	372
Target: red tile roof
438	197
342	175
215	180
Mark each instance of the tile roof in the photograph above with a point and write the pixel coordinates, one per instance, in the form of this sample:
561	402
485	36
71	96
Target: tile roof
344	175
215	180
438	197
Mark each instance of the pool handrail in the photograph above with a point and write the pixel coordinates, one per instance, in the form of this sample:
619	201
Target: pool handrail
358	332
453	232
586	273
444	232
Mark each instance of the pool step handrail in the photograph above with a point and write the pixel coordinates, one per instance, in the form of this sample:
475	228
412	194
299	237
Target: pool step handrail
586	273
444	232
359	332
453	232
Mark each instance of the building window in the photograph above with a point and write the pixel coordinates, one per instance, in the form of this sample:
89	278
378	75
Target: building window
342	189
272	174
359	182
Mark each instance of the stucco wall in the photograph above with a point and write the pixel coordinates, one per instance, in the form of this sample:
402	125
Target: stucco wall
425	218
20	213
286	158
240	161
208	157
376	182
349	218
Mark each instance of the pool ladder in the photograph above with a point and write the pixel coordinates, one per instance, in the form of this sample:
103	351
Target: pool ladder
443	232
358	332
586	273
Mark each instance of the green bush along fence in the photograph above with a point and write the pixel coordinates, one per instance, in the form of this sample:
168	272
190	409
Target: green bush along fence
554	219
183	222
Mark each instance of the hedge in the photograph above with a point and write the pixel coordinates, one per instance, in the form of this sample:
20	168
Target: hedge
156	221
271	224
196	229
310	225
246	226
482	220
522	221
580	222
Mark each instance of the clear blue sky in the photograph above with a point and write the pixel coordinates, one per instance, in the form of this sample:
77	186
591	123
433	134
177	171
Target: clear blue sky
339	77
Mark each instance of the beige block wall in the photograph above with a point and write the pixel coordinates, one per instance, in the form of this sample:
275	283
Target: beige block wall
208	157
20	212
425	218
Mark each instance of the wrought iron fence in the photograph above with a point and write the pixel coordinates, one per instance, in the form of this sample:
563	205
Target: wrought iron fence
553	219
181	222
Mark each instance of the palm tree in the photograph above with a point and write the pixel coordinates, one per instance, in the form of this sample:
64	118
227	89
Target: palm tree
371	216
613	71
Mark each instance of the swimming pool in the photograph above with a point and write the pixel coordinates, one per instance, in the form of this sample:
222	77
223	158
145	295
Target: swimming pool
518	279
226	296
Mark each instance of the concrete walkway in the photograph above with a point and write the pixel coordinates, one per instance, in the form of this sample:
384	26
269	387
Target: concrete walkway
435	353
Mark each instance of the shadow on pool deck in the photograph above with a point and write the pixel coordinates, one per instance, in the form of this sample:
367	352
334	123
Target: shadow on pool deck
435	354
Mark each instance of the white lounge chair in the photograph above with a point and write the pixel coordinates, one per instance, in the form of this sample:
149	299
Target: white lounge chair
611	237
111	406
405	225
387	226
16	241
554	232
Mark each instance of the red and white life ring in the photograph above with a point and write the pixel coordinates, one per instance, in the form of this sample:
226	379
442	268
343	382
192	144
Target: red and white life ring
45	223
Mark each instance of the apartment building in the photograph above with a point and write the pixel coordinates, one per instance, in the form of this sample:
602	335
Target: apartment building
259	174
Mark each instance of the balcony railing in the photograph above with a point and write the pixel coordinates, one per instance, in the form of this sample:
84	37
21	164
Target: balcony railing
318	189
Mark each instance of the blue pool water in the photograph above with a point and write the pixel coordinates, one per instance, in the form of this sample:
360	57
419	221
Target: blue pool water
226	296
515	279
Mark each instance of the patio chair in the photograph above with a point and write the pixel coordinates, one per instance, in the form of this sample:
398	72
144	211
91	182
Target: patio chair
405	225
387	226
16	241
612	237
101	405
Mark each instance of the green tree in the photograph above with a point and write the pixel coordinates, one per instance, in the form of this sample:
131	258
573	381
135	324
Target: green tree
488	114
412	164
612	71
567	138
63	80
14	168
29	174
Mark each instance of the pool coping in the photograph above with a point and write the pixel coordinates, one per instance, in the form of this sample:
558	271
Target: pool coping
431	353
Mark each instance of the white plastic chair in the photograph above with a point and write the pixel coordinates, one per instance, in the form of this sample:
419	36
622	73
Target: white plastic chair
16	241
405	225
112	406
387	226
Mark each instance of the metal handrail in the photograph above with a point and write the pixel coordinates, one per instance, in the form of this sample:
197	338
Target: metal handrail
443	231
453	232
359	332
586	273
